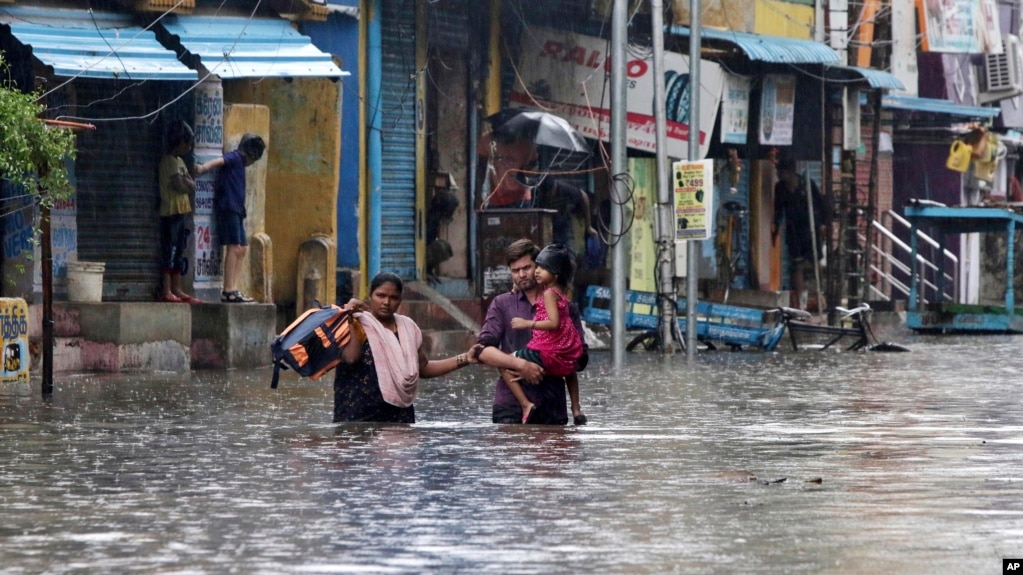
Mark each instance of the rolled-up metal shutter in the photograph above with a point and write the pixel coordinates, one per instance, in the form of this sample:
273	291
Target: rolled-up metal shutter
118	188
398	135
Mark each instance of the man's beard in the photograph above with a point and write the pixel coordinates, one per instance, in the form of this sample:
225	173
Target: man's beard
526	284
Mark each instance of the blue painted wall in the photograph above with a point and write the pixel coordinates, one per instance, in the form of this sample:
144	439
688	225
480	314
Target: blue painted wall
339	36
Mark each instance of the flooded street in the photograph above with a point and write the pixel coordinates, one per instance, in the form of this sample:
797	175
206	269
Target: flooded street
791	462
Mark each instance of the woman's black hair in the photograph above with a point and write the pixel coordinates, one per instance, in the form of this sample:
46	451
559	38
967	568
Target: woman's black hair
386	278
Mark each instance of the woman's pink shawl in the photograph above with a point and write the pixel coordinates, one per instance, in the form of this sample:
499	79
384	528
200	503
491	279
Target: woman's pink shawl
396	358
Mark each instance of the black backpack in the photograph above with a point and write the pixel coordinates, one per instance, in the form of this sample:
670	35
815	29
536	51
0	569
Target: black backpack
312	344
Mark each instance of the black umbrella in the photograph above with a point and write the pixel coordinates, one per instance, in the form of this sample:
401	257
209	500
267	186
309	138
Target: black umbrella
542	128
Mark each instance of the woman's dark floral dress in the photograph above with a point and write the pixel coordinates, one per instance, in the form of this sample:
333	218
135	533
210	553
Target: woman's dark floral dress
357	394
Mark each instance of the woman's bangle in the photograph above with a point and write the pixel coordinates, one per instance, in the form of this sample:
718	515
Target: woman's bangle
461	360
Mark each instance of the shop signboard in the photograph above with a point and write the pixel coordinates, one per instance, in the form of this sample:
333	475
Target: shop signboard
569	75
14	326
694	199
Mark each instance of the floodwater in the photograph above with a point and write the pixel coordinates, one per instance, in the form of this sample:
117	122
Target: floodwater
791	462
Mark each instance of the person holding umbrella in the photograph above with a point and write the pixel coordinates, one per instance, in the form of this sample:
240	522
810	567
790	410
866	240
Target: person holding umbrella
507	156
510	149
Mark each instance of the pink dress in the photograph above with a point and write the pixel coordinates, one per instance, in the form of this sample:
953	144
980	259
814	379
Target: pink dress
560	349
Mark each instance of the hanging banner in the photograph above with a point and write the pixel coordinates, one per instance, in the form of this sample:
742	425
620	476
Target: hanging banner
569	75
694	199
735	110
777	109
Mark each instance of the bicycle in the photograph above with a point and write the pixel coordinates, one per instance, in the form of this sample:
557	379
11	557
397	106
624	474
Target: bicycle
860	331
729	244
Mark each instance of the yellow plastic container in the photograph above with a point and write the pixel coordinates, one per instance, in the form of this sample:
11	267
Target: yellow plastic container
984	169
959	156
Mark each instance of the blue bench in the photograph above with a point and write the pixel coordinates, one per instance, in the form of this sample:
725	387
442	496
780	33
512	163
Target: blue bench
728	324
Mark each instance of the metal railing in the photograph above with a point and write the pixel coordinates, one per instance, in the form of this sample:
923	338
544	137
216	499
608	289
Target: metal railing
930	273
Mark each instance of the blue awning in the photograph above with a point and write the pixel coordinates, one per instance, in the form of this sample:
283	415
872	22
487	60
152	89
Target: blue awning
936	106
773	49
233	47
92	44
875	78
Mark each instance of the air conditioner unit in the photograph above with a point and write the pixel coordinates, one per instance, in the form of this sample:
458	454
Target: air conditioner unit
1001	76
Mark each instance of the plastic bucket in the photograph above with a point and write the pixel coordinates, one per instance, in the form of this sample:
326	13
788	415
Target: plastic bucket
85	281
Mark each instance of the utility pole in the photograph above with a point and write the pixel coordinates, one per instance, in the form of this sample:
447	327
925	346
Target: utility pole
619	32
692	248
665	205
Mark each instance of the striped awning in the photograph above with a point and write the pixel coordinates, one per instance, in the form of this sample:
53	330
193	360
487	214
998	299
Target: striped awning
92	44
763	48
236	47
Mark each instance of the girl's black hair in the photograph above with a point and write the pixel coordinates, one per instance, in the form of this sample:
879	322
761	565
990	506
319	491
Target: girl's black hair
386	278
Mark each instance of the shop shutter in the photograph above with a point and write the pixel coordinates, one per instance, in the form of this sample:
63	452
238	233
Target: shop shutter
398	135
118	189
450	25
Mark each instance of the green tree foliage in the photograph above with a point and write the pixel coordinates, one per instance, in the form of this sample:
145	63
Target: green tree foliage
32	155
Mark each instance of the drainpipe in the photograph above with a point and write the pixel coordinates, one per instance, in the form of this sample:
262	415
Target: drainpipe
491	101
374	60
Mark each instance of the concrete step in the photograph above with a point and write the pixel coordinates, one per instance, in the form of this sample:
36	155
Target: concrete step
449	326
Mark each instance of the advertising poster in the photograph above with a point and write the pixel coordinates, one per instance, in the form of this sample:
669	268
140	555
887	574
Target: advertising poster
209	144
14	325
569	74
960	26
777	109
63	245
735	110
694	199
643	252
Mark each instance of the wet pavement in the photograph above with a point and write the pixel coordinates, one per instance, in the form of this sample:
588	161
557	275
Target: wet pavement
791	462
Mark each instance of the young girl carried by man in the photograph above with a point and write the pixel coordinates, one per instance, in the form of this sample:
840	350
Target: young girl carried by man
556	345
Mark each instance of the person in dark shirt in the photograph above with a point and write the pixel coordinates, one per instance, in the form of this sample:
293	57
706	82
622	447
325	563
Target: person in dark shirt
230	205
571	225
791	210
500	340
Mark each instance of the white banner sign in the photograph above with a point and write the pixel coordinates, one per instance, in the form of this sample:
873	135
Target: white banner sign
569	74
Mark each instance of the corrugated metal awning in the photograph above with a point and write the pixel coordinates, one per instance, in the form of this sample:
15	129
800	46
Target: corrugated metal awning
92	44
234	47
875	78
763	48
935	106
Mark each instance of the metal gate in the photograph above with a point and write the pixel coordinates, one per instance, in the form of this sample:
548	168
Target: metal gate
118	187
398	136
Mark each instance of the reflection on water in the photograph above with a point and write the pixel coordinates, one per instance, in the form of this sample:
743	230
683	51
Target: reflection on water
789	462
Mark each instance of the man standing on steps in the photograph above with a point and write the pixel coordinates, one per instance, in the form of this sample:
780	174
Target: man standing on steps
549	393
792	209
